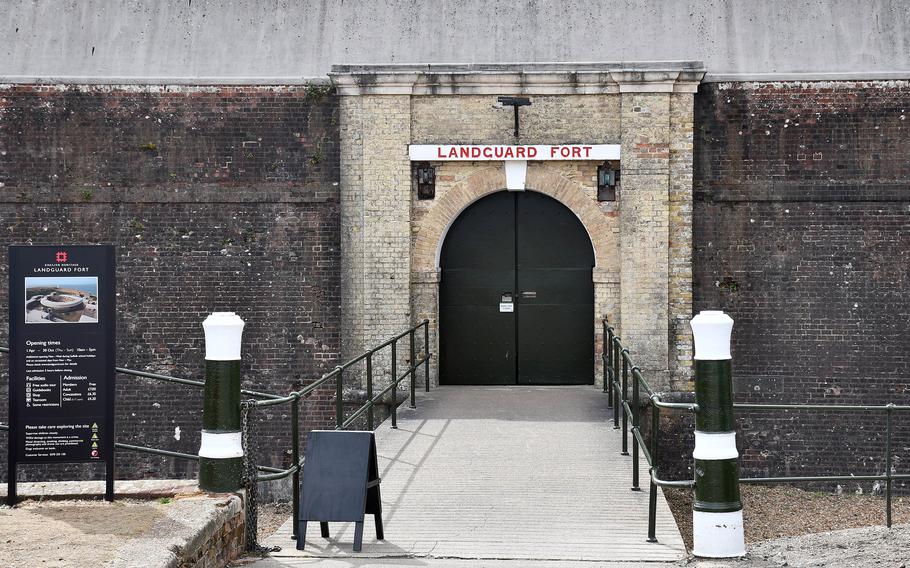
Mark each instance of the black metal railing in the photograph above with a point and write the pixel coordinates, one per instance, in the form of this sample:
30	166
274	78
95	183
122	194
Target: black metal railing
389	394
255	473
619	367
163	378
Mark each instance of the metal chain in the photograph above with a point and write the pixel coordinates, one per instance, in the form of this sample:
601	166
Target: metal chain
247	419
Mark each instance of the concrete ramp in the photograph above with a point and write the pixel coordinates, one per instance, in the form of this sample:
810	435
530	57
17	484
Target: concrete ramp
500	474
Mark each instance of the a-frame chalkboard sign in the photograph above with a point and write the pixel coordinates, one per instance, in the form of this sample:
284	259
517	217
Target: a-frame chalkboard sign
340	483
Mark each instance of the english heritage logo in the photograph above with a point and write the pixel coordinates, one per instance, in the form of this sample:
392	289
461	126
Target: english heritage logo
61	264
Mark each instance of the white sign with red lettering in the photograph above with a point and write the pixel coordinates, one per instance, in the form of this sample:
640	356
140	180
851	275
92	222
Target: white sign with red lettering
471	152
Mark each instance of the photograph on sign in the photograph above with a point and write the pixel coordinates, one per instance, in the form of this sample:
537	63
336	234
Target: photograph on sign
65	299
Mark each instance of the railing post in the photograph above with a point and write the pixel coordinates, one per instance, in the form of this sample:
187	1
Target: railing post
717	517
888	412
370	416
412	367
652	494
636	373
295	458
339	398
614	381
221	448
604	358
394	390
625	399
426	353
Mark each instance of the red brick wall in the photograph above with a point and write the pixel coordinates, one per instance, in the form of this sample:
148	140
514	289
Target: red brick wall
802	234
217	199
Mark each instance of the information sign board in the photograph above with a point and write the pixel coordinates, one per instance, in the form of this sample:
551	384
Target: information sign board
62	346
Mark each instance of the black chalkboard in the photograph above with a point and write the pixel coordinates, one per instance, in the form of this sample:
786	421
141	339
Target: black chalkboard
340	483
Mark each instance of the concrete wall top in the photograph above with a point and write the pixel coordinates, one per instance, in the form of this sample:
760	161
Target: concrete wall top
285	41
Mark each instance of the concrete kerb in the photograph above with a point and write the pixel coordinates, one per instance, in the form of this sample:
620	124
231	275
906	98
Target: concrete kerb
197	529
188	534
132	489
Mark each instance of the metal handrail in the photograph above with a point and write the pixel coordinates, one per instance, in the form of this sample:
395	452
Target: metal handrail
825	407
618	366
159	452
269	473
336	375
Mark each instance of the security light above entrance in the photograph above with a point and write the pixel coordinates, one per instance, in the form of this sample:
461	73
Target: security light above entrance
514	102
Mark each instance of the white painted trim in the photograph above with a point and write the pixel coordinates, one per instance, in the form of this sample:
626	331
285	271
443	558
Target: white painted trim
516	174
711	330
718	535
221	445
592	87
223	333
497	152
715	446
516	78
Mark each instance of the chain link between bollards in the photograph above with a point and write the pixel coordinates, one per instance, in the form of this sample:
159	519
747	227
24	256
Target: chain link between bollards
251	524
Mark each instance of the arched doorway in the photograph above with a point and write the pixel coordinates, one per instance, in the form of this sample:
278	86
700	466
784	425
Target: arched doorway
516	299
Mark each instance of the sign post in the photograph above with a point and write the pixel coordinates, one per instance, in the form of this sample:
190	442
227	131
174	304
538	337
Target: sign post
62	302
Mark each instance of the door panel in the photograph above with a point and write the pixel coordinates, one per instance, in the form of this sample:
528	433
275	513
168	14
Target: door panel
550	235
556	293
534	248
477	341
554	349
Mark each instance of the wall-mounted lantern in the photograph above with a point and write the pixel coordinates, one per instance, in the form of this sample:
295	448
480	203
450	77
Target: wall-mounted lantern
607	178
425	176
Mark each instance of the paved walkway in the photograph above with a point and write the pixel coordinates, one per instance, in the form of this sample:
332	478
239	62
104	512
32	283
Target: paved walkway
499	476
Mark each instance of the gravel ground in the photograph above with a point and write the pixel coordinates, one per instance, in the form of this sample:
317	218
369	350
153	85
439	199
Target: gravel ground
270	517
862	547
779	511
865	547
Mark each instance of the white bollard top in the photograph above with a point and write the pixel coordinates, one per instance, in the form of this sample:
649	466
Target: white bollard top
223	332
712	330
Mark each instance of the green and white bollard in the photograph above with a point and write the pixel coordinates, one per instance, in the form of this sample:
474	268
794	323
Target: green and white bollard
221	451
717	523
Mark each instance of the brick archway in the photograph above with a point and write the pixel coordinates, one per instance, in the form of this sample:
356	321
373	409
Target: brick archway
433	227
574	188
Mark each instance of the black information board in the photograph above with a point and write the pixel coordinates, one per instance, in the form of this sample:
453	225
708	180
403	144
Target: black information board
62	302
340	483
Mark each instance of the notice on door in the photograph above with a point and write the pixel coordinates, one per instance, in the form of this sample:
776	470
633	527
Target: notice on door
506	307
62	353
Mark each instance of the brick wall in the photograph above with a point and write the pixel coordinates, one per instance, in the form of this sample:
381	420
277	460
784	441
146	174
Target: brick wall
217	199
472	119
221	540
802	234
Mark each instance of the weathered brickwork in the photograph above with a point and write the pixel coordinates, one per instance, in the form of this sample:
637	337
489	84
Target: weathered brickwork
217	199
636	293
680	235
375	221
550	119
472	119
461	183
220	541
802	234
476	119
644	226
